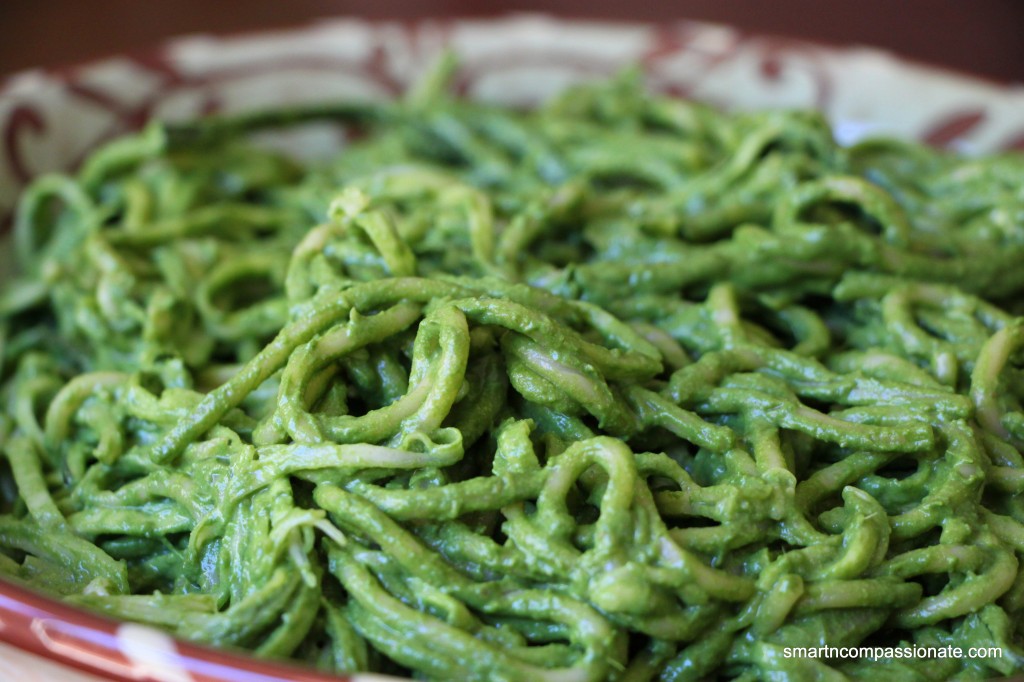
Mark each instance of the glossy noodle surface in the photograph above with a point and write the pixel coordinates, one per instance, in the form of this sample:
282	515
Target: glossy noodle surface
623	388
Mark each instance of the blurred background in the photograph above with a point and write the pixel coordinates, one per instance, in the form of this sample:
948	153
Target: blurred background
984	37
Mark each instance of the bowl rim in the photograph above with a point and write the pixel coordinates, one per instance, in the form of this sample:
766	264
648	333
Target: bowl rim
88	641
996	105
777	37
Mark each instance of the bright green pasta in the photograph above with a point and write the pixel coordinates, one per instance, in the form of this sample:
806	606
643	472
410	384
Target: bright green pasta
622	388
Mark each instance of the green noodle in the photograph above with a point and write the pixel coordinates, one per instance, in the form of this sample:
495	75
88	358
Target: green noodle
622	388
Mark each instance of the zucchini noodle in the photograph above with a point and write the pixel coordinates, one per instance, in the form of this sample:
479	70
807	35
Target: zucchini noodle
622	388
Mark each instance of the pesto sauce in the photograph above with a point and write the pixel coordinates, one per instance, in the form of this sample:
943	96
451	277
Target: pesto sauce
623	388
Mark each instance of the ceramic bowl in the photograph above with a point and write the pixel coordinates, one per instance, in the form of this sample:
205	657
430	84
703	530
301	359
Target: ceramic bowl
49	120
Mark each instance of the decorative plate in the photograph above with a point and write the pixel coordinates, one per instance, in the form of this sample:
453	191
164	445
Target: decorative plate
50	119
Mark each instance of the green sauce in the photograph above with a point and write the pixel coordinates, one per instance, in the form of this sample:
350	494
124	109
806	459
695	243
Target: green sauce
623	388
